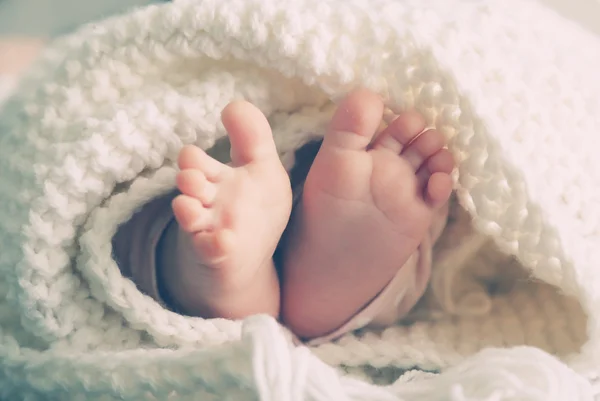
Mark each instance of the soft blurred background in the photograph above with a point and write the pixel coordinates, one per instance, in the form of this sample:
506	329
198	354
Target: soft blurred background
25	25
54	17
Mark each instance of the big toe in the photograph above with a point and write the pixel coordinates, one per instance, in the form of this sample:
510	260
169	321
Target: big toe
249	133
355	121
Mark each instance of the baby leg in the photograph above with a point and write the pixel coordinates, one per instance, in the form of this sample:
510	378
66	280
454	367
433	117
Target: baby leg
366	207
216	259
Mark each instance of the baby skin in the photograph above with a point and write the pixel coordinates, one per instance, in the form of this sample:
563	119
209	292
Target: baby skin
367	204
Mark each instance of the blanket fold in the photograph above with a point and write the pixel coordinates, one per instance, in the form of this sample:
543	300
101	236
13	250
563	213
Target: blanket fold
94	130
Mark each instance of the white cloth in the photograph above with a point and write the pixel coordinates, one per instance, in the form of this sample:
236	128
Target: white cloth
96	126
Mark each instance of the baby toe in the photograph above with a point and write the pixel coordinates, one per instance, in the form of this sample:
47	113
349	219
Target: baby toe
439	189
355	121
400	132
249	133
423	147
191	215
441	162
193	183
192	157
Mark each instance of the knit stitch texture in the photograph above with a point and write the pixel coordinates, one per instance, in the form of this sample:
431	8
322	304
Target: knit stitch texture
94	131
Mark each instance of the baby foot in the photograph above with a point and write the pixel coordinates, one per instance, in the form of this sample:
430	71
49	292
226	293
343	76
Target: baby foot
366	207
231	218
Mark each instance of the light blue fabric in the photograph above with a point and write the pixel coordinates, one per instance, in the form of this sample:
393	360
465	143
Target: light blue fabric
49	18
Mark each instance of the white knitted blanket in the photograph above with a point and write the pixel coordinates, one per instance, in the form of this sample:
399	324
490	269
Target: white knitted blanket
514	307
